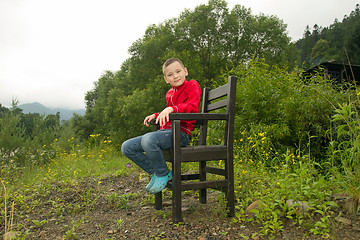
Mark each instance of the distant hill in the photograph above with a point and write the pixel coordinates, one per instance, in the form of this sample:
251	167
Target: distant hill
65	114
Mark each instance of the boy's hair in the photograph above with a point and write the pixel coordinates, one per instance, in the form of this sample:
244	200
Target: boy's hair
170	61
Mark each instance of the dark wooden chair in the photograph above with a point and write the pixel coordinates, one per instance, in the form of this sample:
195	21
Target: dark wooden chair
222	97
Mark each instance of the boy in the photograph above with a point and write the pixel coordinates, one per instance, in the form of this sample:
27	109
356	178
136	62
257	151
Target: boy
146	150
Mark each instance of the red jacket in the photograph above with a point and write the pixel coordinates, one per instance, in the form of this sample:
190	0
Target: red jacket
183	99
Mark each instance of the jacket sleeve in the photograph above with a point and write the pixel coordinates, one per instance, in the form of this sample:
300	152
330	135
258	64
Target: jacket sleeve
192	102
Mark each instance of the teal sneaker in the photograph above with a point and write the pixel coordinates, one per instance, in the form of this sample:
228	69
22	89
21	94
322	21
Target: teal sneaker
151	183
160	183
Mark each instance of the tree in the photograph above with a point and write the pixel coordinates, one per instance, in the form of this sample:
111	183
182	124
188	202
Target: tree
319	51
269	39
12	134
204	33
352	43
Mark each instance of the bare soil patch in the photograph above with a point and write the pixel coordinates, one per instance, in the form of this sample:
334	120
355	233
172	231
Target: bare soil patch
118	207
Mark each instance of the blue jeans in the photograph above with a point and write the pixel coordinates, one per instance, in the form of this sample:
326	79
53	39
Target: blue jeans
146	150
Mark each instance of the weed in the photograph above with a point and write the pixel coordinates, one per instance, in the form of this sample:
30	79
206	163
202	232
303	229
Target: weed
123	201
118	201
119	223
88	200
71	230
8	224
162	213
39	224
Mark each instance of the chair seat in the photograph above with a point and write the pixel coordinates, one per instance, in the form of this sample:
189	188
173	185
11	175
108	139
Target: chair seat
200	153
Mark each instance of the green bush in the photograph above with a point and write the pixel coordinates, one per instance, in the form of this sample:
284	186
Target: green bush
294	114
345	145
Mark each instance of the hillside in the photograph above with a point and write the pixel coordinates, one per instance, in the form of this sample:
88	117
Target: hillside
65	114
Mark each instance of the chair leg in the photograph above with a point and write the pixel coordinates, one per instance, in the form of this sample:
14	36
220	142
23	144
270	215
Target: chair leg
230	189
176	208
158	201
230	199
176	195
202	192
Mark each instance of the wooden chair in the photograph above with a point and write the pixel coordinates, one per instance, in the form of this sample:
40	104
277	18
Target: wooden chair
222	97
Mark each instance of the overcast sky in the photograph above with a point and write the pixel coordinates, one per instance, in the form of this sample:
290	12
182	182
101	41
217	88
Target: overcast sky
52	51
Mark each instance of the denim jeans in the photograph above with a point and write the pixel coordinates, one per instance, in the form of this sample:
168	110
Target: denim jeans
146	150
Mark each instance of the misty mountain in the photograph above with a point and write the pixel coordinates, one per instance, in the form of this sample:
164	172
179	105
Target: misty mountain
65	114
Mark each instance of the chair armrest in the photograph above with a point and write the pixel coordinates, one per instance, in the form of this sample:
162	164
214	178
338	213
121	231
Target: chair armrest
198	116
156	125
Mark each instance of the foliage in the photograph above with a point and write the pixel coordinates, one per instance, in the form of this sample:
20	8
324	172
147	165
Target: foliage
293	114
345	146
295	179
63	173
28	138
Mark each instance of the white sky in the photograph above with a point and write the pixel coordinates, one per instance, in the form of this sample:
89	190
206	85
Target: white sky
52	51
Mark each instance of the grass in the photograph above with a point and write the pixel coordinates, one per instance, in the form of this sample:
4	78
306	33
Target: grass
294	178
26	185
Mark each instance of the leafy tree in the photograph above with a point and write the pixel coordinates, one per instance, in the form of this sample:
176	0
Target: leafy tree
29	121
11	134
352	43
3	111
203	33
319	51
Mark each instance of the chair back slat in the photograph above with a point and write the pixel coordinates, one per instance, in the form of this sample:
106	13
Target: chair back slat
218	92
217	105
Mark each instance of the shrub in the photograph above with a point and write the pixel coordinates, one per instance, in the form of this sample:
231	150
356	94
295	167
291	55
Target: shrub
294	114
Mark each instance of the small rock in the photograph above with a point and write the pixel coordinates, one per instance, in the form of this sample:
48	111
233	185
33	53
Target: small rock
286	236
301	207
254	205
111	190
110	232
184	209
343	220
9	235
356	226
42	234
351	206
127	190
167	203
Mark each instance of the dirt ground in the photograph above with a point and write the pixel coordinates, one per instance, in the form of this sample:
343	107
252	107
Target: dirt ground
118	207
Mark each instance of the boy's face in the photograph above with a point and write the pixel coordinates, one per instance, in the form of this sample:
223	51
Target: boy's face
175	74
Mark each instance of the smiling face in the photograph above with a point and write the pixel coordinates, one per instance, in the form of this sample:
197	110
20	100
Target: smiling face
175	74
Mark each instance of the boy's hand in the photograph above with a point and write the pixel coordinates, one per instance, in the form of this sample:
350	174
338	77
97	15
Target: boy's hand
149	119
164	116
